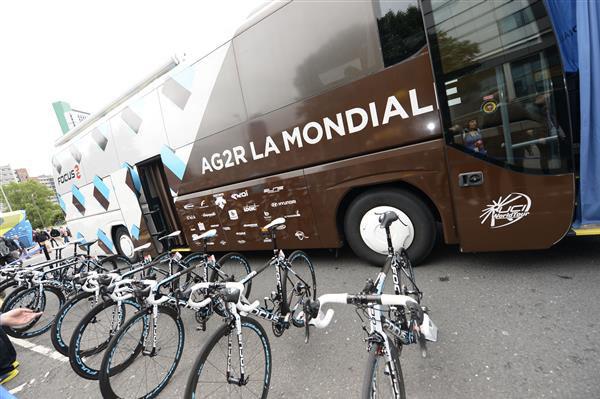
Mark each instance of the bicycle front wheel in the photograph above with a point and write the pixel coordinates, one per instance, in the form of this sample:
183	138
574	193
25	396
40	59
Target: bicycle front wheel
49	301
383	379
92	334
299	283
67	318
149	372
209	376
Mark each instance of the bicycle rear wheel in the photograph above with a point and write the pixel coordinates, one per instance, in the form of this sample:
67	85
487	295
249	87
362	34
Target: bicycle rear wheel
150	371
92	334
67	319
298	284
208	377
380	380
232	266
49	301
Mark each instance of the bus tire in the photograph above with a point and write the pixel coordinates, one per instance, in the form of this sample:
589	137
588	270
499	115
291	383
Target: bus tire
370	244
122	241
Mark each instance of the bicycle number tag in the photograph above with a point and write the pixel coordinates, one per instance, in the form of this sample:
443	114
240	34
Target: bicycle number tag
177	256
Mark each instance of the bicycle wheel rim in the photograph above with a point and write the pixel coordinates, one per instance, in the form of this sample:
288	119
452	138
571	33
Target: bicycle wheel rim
299	284
157	370
92	336
49	303
232	267
208	375
68	318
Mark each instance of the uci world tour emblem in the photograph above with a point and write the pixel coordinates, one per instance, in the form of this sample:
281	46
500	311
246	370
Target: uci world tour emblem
506	210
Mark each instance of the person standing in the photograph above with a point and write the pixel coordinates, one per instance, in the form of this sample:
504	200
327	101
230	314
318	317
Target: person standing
54	234
64	234
41	237
8	355
17	242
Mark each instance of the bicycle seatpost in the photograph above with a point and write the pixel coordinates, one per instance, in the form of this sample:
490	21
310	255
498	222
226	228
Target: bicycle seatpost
389	241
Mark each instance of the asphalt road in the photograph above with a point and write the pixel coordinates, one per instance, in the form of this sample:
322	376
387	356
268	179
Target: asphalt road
512	325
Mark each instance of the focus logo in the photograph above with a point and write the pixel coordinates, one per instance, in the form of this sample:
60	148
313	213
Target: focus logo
506	210
72	174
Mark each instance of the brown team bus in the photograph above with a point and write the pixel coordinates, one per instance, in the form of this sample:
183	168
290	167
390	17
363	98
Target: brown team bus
451	113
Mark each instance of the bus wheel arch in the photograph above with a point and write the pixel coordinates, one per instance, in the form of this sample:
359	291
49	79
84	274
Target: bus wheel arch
123	243
357	212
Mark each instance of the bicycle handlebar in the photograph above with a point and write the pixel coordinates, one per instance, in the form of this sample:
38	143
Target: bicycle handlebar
233	287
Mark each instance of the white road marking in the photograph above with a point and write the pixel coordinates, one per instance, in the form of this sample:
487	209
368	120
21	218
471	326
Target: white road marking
52	354
17	389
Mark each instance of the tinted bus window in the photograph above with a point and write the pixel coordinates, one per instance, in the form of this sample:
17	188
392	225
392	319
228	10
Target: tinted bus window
401	31
498	67
303	49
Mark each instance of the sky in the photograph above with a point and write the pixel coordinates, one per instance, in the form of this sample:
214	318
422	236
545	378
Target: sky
87	53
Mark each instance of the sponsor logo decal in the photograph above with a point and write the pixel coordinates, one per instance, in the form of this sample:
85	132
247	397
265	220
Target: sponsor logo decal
294	215
222	242
233	215
237	196
267	215
506	210
226	228
220	201
188	206
335	128
241	241
214	226
273	190
300	235
190	217
282	203
250	208
251	225
201	226
72	174
240	233
209	215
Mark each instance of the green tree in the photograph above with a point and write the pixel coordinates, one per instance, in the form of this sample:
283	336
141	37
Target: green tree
34	198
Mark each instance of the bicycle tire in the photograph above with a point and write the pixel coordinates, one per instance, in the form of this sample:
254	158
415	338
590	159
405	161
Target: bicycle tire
107	387
231	258
370	378
57	333
26	331
295	257
250	325
78	357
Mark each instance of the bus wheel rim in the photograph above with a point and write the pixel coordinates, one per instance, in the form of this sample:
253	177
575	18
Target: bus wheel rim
126	245
373	235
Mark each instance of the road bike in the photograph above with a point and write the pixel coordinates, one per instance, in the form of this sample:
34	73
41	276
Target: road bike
226	362
393	320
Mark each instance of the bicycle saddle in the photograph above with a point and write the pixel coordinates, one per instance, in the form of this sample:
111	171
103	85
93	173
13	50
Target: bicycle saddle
87	244
142	247
171	235
387	219
275	223
209	234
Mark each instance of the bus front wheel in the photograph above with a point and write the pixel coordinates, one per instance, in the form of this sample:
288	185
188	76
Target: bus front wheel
417	232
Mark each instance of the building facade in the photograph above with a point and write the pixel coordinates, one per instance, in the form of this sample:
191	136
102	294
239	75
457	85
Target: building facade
22	175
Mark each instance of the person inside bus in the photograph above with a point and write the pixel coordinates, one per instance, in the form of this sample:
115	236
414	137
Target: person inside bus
8	356
472	138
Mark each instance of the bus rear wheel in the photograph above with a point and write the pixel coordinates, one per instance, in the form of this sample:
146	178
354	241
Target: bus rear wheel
368	240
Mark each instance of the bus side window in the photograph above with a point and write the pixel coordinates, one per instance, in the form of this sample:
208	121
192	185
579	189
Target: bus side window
401	31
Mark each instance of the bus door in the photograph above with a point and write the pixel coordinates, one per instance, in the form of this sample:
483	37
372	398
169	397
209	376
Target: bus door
505	114
156	202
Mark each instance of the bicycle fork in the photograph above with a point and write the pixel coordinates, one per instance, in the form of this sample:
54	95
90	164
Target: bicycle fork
153	352
243	380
